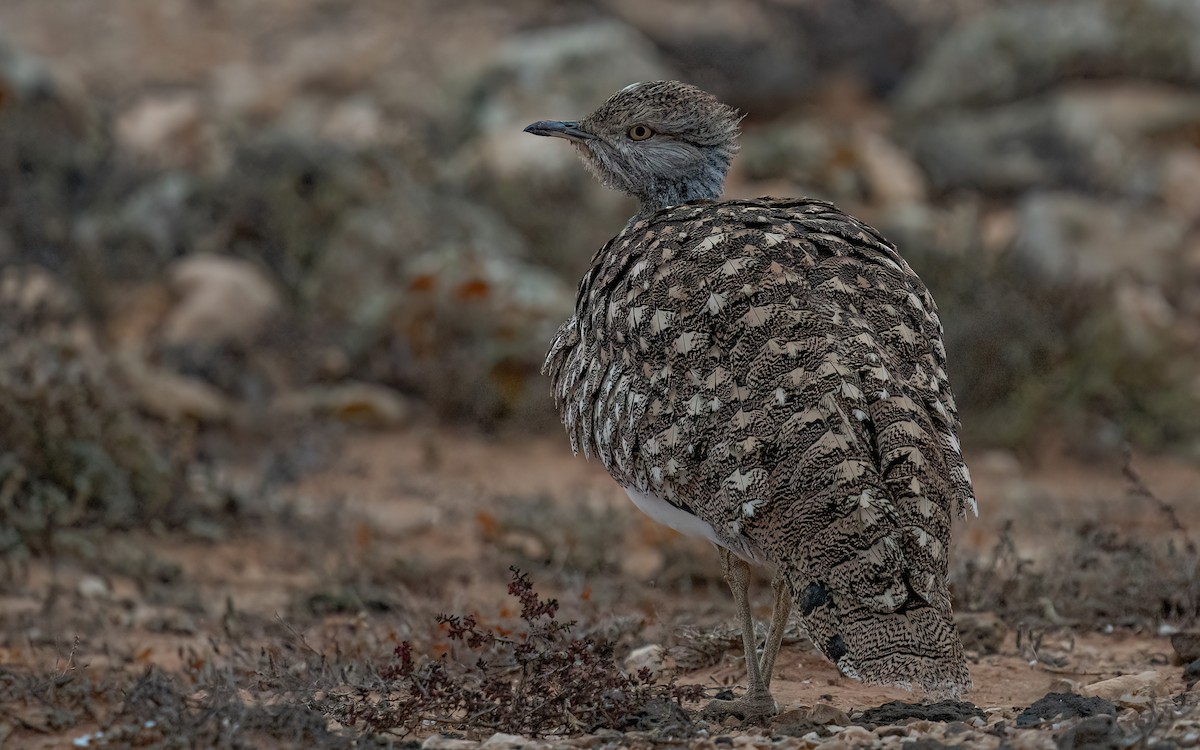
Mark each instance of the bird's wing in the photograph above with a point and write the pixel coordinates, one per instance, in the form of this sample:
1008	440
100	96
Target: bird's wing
777	369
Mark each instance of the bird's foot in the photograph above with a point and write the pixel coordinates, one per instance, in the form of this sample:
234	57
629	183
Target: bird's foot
749	708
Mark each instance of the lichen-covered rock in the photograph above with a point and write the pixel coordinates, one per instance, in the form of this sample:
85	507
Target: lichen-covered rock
766	57
1020	49
1070	238
1112	138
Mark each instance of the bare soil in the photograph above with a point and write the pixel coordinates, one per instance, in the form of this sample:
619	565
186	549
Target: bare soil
400	526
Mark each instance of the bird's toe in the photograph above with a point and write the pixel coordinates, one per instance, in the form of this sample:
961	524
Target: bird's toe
749	708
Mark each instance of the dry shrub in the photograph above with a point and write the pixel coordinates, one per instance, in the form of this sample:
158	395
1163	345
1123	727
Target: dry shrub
73	452
531	677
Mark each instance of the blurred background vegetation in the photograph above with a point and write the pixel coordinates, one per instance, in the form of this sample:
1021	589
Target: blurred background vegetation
226	222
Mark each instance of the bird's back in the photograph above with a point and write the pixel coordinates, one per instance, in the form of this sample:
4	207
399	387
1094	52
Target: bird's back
775	368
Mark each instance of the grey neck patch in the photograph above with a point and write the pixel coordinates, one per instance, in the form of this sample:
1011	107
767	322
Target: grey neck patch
705	182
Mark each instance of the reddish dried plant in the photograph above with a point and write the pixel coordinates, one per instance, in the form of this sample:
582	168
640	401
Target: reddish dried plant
534	679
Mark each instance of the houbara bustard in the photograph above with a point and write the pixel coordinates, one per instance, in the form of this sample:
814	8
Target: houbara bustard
768	375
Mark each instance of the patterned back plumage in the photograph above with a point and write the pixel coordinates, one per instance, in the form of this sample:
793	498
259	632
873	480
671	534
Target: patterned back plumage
775	368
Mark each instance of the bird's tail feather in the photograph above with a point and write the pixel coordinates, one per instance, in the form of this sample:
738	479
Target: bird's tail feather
915	647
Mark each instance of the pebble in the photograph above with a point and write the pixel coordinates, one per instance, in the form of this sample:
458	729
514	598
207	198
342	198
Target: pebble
442	742
93	587
646	657
1186	645
1125	686
502	741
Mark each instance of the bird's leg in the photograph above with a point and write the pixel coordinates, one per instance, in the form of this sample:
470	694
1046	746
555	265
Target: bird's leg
779	621
757	703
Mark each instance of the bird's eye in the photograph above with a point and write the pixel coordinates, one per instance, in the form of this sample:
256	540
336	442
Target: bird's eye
640	133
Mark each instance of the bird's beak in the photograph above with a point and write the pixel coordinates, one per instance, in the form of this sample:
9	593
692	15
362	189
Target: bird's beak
560	129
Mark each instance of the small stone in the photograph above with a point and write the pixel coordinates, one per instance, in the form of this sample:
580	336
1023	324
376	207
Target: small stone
1127	685
646	657
221	300
856	734
442	742
93	587
1181	183
1186	645
1191	673
501	741
642	563
1063	685
171	396
891	730
823	714
168	130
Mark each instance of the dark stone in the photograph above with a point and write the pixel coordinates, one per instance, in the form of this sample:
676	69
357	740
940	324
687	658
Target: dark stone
662	718
1063	706
1191	673
896	712
1186	645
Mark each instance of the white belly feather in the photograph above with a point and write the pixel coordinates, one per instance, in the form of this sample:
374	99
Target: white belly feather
691	525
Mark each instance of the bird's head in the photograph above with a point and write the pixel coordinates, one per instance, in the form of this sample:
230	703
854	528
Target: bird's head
663	142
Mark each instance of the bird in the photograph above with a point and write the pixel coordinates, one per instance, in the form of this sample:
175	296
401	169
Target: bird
768	375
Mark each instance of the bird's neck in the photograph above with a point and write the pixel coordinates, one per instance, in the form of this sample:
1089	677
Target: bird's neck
704	181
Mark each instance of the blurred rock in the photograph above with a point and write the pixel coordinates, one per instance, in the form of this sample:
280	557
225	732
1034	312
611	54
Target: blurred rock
1186	645
534	183
826	159
804	152
643	562
1021	49
1181	182
890	175
982	632
319	246
766	57
501	741
221	300
1191	674
356	121
93	587
442	742
734	49
174	397
318	84
1069	238
1147	319
166	130
1092	137
360	404
651	658
33	293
